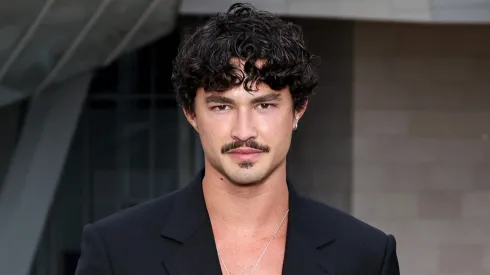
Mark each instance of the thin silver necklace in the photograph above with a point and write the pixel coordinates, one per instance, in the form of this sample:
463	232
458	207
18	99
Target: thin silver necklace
263	251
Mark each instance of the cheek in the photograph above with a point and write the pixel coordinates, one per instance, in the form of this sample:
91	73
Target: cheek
276	131
276	123
211	134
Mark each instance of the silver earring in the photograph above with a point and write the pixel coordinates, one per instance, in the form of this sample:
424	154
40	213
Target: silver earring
295	126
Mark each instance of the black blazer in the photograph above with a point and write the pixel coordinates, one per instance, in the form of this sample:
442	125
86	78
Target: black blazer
172	235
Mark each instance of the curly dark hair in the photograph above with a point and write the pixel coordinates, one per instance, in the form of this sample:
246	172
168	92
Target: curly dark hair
203	59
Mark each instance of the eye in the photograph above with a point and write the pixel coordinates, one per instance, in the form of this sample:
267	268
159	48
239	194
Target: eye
265	106
220	108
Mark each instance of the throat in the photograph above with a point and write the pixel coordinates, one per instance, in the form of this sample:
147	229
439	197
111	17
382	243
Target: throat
249	213
251	258
251	254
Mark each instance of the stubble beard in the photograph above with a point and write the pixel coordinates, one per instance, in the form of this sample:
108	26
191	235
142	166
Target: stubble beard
245	175
246	165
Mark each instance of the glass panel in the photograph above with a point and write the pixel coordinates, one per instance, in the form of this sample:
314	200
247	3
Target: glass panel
59	28
165	147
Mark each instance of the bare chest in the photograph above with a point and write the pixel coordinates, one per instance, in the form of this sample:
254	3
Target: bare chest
247	257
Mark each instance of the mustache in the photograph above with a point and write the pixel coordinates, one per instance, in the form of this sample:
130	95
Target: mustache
249	143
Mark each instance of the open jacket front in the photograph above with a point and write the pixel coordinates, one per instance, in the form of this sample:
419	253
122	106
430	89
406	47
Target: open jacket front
172	235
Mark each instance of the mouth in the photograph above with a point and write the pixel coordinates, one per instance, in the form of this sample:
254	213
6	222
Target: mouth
245	154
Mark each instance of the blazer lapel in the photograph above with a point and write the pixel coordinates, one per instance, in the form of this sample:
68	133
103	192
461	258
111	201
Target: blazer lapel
189	246
196	256
308	240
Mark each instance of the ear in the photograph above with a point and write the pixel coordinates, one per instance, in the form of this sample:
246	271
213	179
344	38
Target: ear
299	113
191	118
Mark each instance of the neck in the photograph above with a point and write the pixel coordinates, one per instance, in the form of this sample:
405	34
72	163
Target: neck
249	208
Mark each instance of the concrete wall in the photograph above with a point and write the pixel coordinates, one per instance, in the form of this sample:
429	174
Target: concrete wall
320	157
398	134
404	10
421	142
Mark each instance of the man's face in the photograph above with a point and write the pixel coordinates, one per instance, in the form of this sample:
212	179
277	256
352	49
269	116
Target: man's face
245	135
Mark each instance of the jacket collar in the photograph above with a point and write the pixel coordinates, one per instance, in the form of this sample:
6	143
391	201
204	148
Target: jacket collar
190	247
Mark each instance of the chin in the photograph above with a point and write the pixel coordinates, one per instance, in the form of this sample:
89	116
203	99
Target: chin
247	173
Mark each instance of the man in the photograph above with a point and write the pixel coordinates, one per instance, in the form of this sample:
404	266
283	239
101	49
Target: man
243	80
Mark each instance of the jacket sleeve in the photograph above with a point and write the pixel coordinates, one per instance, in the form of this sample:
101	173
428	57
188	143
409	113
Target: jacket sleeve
390	261
93	259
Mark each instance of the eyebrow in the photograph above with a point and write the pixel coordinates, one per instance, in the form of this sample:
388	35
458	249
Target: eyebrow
226	100
266	98
219	99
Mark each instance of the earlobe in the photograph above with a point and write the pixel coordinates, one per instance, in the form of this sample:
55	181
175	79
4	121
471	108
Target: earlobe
194	125
299	113
191	118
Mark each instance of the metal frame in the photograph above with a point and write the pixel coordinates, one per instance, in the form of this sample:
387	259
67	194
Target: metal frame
26	38
35	170
9	96
119	49
73	47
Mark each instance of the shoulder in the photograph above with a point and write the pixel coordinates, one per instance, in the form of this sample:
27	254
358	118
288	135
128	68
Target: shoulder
353	240
149	215
341	219
347	229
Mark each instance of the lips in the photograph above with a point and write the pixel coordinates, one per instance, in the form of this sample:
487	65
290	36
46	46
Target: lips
244	151
245	154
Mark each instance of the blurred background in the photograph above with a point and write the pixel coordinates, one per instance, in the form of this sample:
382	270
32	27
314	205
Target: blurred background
397	134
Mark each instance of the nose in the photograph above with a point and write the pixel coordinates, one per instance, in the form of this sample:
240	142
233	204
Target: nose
244	126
